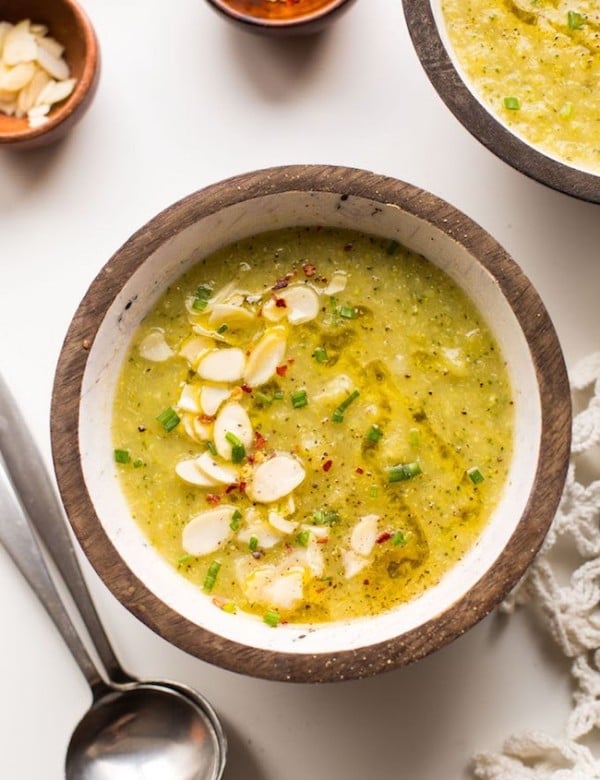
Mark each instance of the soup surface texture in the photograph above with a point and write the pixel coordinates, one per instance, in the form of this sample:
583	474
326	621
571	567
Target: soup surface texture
313	424
536	64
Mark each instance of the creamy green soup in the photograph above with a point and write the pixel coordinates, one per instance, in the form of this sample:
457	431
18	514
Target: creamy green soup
313	425
536	64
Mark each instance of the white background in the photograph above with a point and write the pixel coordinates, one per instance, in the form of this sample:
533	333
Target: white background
186	99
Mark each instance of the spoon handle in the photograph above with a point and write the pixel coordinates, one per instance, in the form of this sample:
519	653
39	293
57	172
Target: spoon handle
20	543
30	478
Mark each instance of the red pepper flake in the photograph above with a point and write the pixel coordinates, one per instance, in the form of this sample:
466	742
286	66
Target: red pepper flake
280	284
206	418
246	388
360	470
366	582
259	440
213	498
281	370
347	247
231	488
280	303
309	269
242	485
327	465
323	540
383	537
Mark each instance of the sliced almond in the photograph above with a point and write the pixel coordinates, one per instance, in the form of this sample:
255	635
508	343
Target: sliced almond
217	470
364	534
301	303
222	365
195	347
353	563
281	524
154	345
273	311
230	315
277	588
232	418
13	79
19	45
55	91
29	94
5	28
260	530
268	353
51	45
189	399
188	471
211	398
275	478
55	66
337	283
208	531
195	428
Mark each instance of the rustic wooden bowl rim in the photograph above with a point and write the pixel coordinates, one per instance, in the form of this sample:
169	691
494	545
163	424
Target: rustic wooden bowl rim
488	130
85	86
552	462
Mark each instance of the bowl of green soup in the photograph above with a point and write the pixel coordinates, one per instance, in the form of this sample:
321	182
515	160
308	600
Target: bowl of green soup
311	423
519	76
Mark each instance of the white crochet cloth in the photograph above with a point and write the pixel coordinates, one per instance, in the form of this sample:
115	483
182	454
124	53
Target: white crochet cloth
569	607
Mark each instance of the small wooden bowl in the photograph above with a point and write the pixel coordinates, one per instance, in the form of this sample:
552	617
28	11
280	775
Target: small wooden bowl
127	288
68	23
262	16
422	17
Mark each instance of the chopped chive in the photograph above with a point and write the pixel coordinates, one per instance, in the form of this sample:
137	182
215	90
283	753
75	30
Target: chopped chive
512	103
325	517
201	298
185	559
374	433
272	618
414	437
404	471
236	520
253	544
263	398
278	395
169	419
303	538
137	463
210	446
222	329
347	312
373	491
392	247
238	451
338	413
320	355
122	456
211	576
475	475
575	20
398	538
299	399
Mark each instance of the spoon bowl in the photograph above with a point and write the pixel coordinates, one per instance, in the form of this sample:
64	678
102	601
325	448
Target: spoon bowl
151	728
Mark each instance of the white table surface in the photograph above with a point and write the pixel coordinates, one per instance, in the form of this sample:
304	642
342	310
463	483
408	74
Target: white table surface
185	100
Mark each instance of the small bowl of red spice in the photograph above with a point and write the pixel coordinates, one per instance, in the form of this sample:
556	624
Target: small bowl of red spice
281	16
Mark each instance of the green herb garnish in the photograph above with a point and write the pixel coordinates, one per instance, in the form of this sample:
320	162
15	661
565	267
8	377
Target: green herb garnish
325	517
122	456
575	20
201	298
238	451
512	103
236	520
272	618
320	355
169	419
253	544
303	538
211	576
222	329
338	413
404	471
374	433
398	538
299	399
475	475
347	312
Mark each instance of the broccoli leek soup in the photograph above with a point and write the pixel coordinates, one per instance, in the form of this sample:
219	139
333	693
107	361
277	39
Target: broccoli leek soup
536	64
312	425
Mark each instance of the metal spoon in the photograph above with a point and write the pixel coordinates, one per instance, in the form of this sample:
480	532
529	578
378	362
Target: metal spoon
149	730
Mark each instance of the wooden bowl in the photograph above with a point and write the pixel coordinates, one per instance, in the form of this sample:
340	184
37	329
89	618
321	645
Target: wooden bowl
127	287
69	25
425	25
262	16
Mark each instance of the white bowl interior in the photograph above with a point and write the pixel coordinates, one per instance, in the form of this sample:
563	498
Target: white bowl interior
169	262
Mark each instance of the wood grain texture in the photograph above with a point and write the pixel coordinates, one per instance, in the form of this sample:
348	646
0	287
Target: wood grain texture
478	121
70	26
486	594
